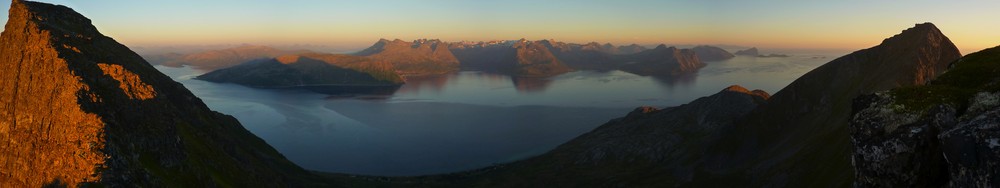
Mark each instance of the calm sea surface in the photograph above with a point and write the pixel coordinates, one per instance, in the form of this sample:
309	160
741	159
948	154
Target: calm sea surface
467	120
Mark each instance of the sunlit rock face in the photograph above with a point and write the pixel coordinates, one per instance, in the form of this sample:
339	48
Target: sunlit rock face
79	108
419	57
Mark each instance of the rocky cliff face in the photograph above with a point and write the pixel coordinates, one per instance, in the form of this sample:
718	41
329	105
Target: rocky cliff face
944	133
311	69
749	52
79	108
661	61
800	137
712	53
420	57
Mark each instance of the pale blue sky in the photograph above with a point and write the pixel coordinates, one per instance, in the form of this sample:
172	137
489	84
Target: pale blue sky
779	24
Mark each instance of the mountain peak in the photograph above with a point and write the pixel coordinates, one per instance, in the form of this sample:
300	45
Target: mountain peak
287	59
52	17
741	89
812	108
737	88
108	117
921	32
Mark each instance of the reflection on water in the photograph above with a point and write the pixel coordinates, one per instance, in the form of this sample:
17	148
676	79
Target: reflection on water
530	84
672	81
465	120
352	90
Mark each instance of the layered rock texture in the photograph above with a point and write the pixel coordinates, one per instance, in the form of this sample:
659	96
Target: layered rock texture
79	108
711	53
661	61
941	134
310	69
420	57
223	58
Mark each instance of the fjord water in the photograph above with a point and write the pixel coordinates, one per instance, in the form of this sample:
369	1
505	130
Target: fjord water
467	120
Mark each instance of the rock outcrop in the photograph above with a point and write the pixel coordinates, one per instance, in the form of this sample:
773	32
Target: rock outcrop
661	61
941	134
748	52
305	70
79	108
420	57
711	53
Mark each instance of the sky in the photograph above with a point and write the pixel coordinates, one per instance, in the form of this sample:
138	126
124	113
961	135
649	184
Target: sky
847	24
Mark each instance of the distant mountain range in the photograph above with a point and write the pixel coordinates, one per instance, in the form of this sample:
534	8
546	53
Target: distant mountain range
324	73
419	57
397	58
711	53
222	58
749	52
522	58
661	61
519	58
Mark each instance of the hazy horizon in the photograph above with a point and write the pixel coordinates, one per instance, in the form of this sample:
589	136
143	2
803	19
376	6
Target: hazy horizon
352	25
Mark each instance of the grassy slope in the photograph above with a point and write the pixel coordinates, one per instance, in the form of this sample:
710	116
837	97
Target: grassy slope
973	73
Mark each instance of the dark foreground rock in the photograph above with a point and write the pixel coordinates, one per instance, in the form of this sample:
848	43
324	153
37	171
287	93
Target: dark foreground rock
946	133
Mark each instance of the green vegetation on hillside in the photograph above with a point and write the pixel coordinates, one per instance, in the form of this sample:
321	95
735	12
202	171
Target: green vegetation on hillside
976	72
